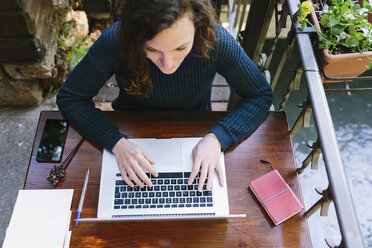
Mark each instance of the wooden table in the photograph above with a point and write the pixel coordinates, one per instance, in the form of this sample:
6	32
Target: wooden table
271	142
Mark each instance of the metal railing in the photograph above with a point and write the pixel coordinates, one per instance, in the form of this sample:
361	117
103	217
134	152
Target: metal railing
346	215
253	38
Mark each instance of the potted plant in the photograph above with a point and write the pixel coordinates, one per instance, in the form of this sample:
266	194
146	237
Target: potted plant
345	35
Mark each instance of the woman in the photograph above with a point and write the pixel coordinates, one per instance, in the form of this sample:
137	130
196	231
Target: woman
165	55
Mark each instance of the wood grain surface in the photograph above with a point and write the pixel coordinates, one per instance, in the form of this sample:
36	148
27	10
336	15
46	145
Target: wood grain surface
271	142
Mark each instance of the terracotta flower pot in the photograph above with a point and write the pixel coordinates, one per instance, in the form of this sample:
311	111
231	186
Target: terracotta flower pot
341	65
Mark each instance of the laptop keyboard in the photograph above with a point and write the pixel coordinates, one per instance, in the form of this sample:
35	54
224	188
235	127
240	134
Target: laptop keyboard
169	190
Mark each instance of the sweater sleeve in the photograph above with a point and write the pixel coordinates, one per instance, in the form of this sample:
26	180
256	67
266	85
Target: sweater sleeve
256	95
75	97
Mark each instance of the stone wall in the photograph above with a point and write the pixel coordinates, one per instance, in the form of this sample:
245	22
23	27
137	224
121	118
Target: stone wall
25	82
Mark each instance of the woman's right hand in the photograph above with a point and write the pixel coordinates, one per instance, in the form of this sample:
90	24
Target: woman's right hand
130	158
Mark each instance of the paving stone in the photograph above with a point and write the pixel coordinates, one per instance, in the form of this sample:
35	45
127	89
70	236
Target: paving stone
219	106
219	80
3	228
107	94
220	94
104	106
17	131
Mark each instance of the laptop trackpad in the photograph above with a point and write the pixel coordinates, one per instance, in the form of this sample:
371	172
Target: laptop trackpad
167	155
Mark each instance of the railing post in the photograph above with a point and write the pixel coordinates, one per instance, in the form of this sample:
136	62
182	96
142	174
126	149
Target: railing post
323	203
294	84
313	157
303	118
287	52
279	25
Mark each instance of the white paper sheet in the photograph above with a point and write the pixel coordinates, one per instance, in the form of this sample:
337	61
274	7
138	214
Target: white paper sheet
40	219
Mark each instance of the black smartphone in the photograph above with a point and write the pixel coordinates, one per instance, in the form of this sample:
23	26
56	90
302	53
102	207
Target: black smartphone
52	141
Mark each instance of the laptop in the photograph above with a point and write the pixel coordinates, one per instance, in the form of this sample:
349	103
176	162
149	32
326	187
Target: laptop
170	197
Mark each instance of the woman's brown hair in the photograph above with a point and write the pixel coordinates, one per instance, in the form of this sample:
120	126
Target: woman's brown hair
141	20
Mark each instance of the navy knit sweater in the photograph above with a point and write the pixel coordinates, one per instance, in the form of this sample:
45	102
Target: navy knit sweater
189	88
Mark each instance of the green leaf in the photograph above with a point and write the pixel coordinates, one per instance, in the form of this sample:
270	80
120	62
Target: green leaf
333	20
369	66
68	56
356	8
324	20
359	36
351	42
337	29
344	9
352	31
367	5
66	28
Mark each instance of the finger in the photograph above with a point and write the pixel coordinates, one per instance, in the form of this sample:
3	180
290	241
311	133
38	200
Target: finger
147	165
210	177
220	174
194	172
124	174
203	176
134	177
148	158
142	174
125	177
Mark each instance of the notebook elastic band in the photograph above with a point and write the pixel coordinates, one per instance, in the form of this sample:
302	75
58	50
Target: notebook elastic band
274	196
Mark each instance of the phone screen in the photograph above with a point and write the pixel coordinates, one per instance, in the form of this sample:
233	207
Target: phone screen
52	141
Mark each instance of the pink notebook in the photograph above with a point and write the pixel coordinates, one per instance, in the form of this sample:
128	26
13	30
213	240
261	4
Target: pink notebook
276	196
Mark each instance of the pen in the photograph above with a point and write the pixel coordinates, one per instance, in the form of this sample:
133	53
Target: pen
81	202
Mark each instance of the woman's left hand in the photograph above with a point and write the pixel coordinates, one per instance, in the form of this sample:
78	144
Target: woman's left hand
207	154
